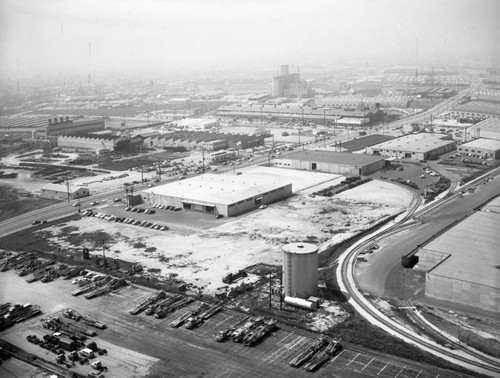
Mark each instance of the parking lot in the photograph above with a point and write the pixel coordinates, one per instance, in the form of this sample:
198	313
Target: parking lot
140	345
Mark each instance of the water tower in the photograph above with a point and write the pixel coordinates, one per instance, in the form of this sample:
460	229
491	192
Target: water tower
300	270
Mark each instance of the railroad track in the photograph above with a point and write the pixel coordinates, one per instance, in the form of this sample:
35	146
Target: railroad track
461	355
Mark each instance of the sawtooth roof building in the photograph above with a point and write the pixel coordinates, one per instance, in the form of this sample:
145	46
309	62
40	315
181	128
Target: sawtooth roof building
463	264
43	128
224	194
302	114
422	146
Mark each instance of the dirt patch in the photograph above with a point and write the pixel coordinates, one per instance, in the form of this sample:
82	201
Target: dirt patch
14	201
479	333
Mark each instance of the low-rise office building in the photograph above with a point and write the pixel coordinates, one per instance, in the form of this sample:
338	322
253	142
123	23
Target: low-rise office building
63	192
485	148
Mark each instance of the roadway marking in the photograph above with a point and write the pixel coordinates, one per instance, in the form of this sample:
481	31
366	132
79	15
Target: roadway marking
195	346
420	372
337	356
381	370
353	359
295	343
368	364
224	320
397	375
284	338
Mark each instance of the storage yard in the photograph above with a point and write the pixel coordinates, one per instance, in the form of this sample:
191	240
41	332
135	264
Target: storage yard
141	345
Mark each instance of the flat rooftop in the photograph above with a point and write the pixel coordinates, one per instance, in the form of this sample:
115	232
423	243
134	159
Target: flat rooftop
344	158
491	144
222	189
473	246
420	142
367	141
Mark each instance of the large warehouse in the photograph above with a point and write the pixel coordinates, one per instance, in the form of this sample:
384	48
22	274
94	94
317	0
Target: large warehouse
420	146
463	263
224	194
485	148
344	163
489	128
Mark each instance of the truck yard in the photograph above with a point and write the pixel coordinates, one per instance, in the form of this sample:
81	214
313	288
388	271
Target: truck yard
145	346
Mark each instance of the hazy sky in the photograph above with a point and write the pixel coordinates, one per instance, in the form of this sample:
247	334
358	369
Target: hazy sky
54	35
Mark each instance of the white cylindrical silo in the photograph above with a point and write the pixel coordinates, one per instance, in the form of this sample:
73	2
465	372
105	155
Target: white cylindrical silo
300	269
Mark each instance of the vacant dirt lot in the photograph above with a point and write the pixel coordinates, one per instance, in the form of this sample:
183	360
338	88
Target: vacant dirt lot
202	257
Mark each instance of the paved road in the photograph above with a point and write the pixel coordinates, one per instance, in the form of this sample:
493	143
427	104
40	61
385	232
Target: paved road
464	357
382	274
426	115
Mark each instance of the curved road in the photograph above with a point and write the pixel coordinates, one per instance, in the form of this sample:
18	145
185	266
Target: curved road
345	275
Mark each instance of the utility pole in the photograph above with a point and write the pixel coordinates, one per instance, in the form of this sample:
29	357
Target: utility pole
159	171
67	188
142	174
103	256
270	288
281	289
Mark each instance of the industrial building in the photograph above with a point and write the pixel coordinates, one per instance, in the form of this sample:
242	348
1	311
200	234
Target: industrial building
99	143
208	140
489	128
422	146
46	128
63	192
221	156
360	144
485	148
290	85
462	264
344	163
350	101
301	114
224	194
300	270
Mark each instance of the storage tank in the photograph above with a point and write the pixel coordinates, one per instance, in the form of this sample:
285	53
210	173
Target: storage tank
300	269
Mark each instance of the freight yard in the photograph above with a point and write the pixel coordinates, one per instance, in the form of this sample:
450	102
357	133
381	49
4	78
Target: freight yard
144	345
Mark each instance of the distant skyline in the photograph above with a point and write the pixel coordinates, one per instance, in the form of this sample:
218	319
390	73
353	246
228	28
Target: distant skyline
89	36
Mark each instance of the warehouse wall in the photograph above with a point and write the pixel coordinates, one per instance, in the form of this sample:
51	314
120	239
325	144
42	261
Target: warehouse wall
463	292
331	167
226	210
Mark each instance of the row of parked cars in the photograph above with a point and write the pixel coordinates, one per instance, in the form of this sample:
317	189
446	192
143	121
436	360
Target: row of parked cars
165	207
139	210
132	221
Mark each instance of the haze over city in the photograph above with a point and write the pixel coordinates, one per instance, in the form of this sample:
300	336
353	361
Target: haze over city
249	188
73	36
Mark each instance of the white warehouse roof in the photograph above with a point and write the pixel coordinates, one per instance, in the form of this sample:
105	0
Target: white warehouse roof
222	189
490	144
421	142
